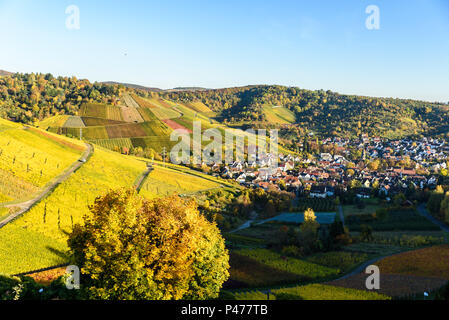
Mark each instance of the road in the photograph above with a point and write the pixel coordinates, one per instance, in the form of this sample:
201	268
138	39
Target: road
342	216
423	211
27	205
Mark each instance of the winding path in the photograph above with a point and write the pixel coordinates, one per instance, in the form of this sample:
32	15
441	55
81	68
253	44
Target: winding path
142	178
424	212
27	205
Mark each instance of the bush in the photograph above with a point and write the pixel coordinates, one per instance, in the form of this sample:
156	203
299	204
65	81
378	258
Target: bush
293	251
443	293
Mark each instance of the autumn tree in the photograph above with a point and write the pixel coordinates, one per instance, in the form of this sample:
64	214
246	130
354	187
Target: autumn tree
309	231
132	248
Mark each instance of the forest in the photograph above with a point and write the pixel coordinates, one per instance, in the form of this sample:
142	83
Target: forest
32	97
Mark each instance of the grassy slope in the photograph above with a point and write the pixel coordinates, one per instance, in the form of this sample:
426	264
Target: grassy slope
279	115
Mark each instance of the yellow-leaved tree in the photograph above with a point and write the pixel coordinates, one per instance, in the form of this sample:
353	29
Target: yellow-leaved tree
309	231
132	248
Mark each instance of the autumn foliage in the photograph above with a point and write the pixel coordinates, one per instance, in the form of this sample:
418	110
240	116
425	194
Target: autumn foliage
132	248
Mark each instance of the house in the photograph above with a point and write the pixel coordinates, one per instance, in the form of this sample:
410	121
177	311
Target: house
318	192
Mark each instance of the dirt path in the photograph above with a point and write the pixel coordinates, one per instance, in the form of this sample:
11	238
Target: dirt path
27	205
142	178
424	212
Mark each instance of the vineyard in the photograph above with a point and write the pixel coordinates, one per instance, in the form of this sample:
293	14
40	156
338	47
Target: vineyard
279	115
304	271
395	220
427	262
103	111
29	160
51	219
316	204
313	292
112	144
408	273
164	181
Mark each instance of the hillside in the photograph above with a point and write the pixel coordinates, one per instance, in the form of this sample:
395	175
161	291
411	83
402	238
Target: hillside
28	98
323	112
30	159
132	86
37	239
5	73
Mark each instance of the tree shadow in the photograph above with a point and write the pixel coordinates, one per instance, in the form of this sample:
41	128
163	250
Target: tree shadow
59	253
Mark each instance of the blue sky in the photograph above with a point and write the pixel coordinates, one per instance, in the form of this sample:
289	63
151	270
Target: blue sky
214	44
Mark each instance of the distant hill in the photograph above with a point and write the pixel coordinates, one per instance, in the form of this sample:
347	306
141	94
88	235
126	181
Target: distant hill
187	89
133	86
5	73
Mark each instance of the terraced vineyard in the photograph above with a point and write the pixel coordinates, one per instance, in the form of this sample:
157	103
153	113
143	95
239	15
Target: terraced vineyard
37	239
44	228
166	181
30	159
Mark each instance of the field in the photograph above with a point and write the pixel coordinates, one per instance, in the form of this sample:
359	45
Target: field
279	115
303	270
427	262
344	261
312	292
198	106
176	126
103	111
397	220
369	208
160	108
393	285
95	122
154	142
89	133
130	110
165	181
129	101
74	122
131	114
44	228
316	204
147	115
56	121
111	144
30	159
407	273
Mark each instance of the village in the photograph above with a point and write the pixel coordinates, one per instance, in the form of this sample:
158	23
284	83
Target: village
371	166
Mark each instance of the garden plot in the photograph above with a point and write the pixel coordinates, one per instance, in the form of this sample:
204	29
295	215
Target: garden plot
131	114
407	273
129	110
74	122
392	284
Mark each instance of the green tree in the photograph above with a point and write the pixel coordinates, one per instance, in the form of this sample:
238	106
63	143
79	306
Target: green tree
132	248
